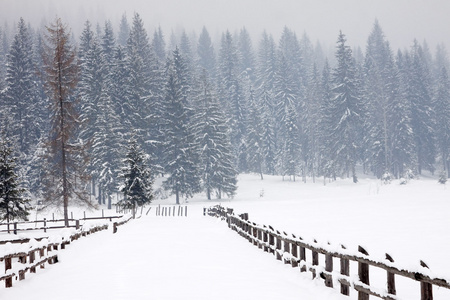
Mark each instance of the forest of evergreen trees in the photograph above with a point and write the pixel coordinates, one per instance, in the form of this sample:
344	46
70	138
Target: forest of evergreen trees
204	112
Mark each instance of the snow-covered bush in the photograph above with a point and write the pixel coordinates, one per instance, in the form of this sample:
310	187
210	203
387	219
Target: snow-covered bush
386	178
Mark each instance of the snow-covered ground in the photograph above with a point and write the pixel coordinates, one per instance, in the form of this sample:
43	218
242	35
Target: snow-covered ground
198	257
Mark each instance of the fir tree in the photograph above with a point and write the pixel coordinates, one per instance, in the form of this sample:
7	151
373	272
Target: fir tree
422	117
255	136
124	31
159	45
205	53
287	130
442	108
137	188
181	154
13	201
21	93
346	112
404	154
232	95
265	82
216	156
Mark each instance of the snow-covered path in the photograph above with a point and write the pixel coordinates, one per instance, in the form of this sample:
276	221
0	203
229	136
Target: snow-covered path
168	258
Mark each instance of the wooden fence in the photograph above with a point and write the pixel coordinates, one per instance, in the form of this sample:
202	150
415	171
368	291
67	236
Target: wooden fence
167	211
292	250
28	261
44	224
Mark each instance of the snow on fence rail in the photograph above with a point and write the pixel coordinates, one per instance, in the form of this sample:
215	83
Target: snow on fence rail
25	254
292	250
22	226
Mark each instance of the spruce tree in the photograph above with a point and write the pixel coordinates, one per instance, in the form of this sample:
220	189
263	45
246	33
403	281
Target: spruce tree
442	108
255	134
22	94
205	53
14	205
287	130
346	112
422	114
181	154
211	131
137	188
404	154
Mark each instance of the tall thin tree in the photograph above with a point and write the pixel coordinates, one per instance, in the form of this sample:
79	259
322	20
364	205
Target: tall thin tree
65	155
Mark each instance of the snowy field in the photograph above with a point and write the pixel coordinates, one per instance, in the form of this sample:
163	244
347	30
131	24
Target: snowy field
198	257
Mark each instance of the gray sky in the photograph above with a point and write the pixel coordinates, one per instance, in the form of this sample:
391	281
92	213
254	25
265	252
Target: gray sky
401	20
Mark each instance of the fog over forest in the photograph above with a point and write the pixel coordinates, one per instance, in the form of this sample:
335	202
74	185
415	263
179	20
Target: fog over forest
200	91
402	20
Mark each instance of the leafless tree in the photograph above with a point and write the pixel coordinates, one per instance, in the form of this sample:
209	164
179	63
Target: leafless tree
66	160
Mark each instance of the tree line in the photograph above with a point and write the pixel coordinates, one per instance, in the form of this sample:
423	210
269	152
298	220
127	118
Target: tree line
201	113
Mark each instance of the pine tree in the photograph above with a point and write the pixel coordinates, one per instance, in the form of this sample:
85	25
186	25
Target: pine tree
287	130
13	201
265	82
181	154
255	134
124	31
232	96
93	72
206	56
378	72
310	119
404	154
144	85
66	160
247	57
422	117
442	109
216	155
137	188
107	145
346	112
159	45
21	93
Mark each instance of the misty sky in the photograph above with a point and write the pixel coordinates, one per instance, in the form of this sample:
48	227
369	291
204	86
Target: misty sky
401	20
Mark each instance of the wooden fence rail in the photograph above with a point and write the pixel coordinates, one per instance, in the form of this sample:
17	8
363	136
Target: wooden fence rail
28	258
14	226
294	253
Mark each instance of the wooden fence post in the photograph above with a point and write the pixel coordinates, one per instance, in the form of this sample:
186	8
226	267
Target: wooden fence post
77	224
185	211
265	240
41	254
287	249
15	227
32	258
294	253
45	225
426	289
328	268
390	278
255	235
363	272
303	258
271	243
8	266
315	260
259	237
345	270
114	227
278	254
